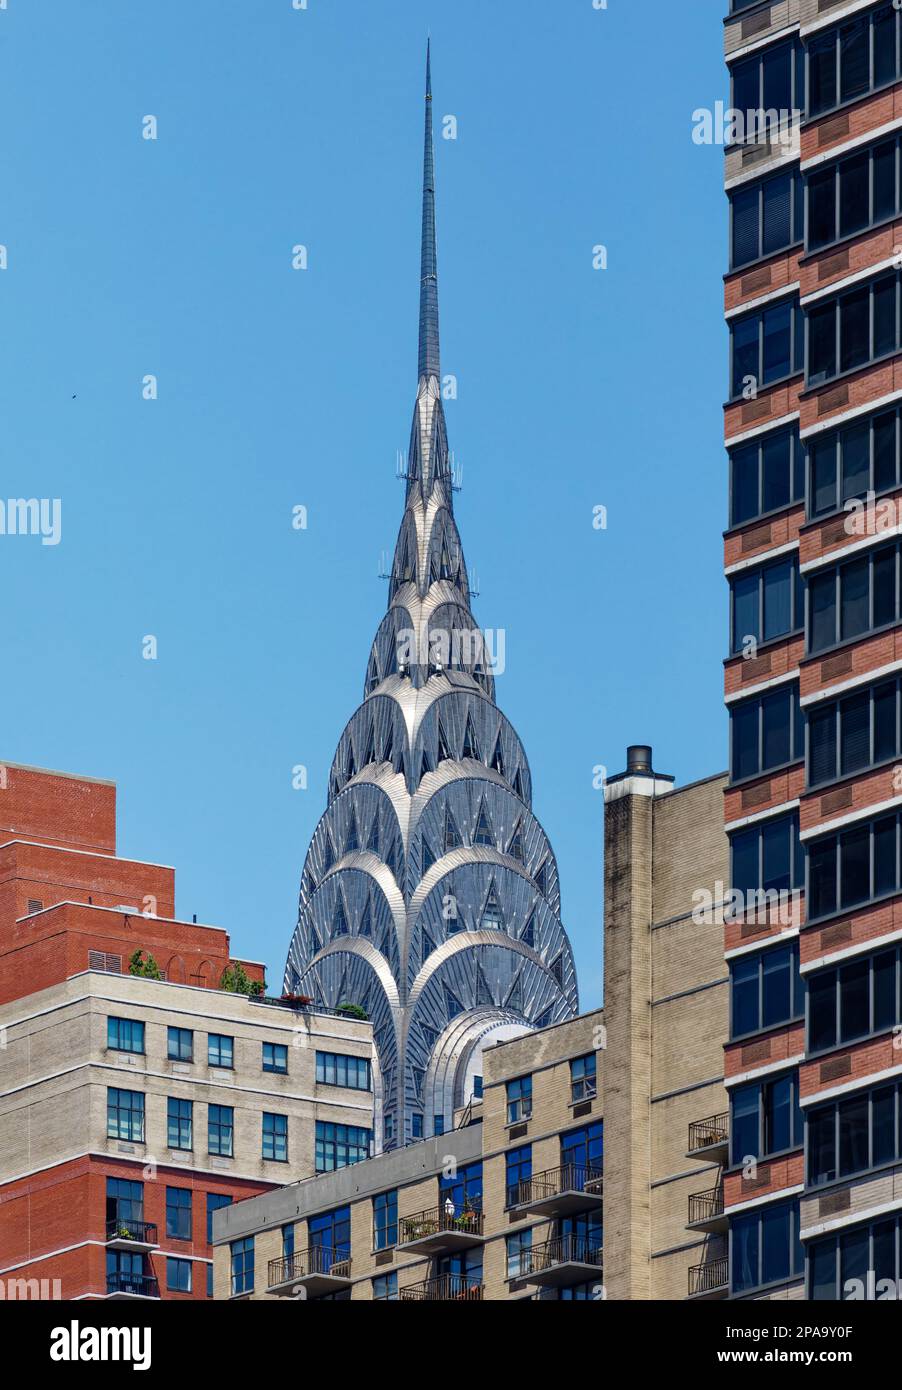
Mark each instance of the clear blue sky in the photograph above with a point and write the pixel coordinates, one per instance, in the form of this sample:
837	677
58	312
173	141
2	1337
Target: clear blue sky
279	388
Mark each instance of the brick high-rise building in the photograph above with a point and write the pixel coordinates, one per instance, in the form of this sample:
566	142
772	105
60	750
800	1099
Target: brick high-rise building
812	676
132	1106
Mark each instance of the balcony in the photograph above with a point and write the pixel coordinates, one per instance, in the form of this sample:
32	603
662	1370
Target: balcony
710	1279
137	1236
439	1232
559	1191
447	1288
318	1271
565	1260
710	1138
706	1211
120	1285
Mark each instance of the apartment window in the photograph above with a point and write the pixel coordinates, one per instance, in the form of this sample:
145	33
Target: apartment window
767	603
582	1077
768	85
385	1287
338	1069
766	475
765	1118
210	1280
853	866
768	857
338	1146
582	1151
519	1246
178	1275
416	1126
853	329
766	733
855	1000
180	1045
242	1253
385	1220
852	59
855	193
220	1051
178	1213
275	1137
125	1115
765	1247
766	346
518	1171
849	463
288	1242
857	732
854	1134
330	1233
766	990
839	1264
124	1203
215	1202
124	1035
580	1293
463	1190
221	1130
853	598
275	1057
179	1123
519	1099
766	217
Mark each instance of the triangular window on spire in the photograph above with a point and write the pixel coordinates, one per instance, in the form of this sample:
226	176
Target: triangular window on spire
424	765
366	921
315	942
427	945
444	753
514	998
385	943
372	677
369	755
402	766
427	858
446	560
353	840
528	934
339	921
391	861
515	848
497	757
483	993
406	565
518	785
492	916
351	765
433	569
452	834
372	843
544	1018
453	1006
328	853
387	753
419	1076
541	877
483	835
471	747
557	969
430	1036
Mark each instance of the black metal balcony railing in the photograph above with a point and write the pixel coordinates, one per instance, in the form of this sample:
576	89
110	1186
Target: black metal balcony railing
142	1284
570	1177
561	1250
468	1221
704	1133
710	1276
704	1206
319	1259
447	1288
142	1232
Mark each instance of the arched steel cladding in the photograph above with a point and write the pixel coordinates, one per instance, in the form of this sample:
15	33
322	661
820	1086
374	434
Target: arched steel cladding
427	636
416	731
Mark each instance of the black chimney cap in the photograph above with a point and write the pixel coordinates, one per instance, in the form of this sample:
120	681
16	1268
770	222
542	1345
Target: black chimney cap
638	758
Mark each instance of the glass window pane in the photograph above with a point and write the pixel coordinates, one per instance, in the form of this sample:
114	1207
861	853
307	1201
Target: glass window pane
775	848
821	344
776	711
854	990
884	179
884	587
777	342
885	855
822	1146
853	1135
822	1010
855	449
854	867
777	600
745	609
776	455
777	64
854	195
744	727
775	1241
744	1252
745	339
884	45
854	586
744	850
745	484
777	982
822	90
883	1105
855	733
884	316
822	878
744	1123
747	88
744	993
885	452
777	214
745	226
821	209
854	58
823	466
822	745
854	329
